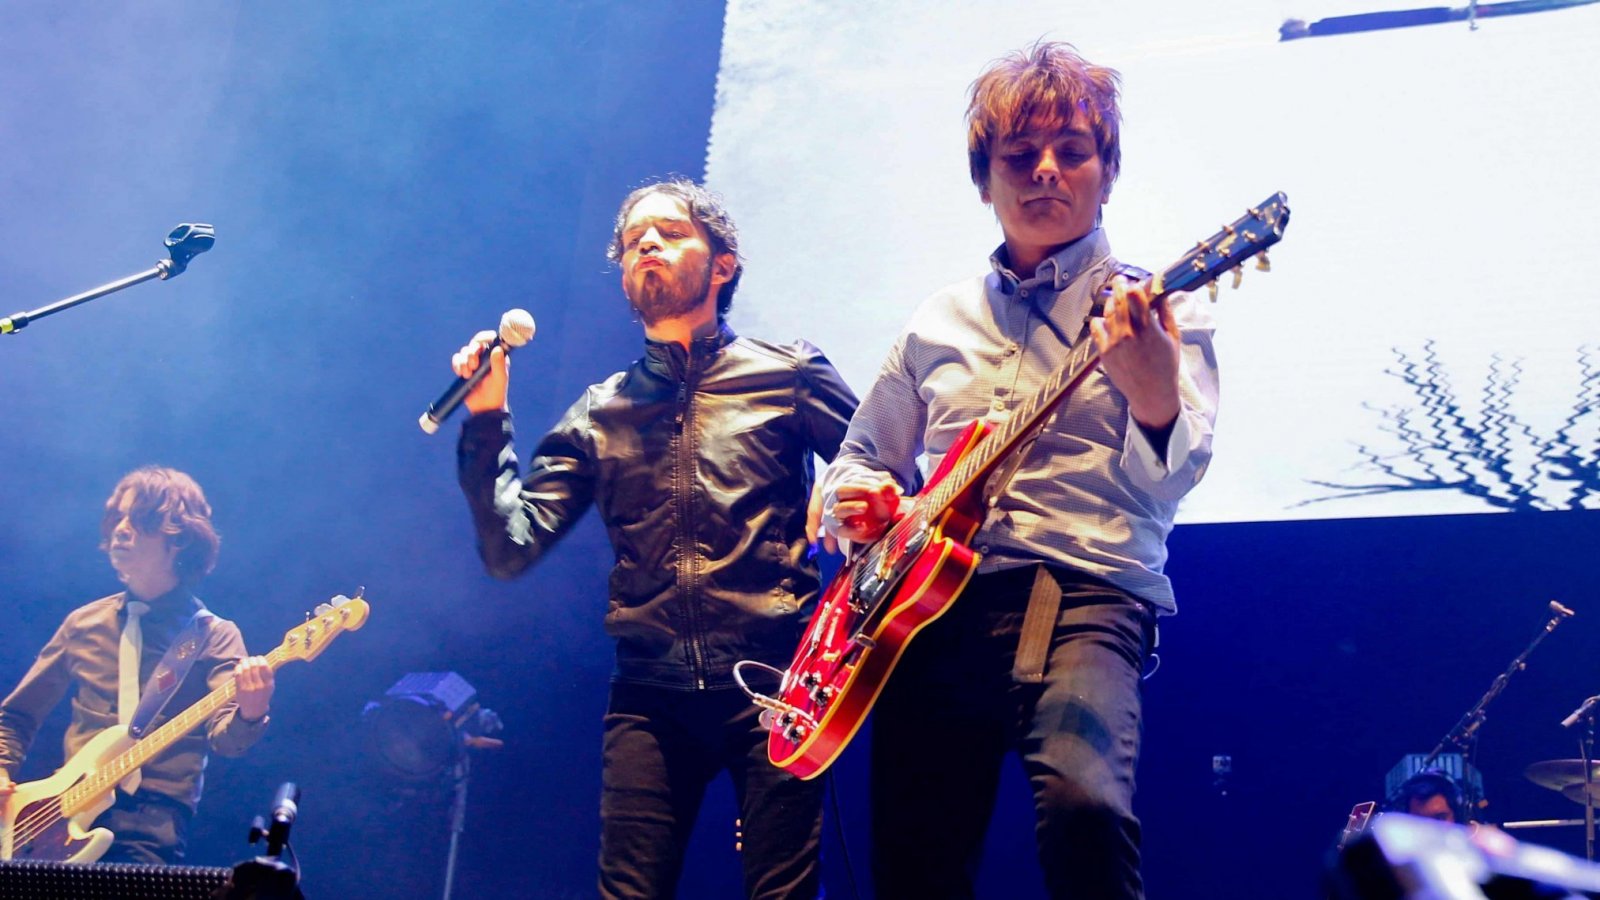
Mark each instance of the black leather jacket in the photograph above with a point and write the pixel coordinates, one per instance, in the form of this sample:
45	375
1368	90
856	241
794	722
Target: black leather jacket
701	465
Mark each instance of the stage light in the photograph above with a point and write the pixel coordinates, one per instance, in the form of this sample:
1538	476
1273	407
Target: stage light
422	726
421	730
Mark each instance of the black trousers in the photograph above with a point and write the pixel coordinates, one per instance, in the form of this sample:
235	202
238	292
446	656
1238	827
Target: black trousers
952	711
149	828
662	748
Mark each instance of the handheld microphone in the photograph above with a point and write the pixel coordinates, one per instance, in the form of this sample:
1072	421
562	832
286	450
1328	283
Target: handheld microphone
516	329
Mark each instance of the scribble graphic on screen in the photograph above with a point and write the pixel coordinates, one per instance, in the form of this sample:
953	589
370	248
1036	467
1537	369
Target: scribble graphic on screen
1476	444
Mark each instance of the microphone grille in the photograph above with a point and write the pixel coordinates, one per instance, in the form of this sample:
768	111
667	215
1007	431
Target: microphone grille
516	327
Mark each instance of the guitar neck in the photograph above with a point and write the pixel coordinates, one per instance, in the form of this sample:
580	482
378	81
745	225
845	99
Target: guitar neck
973	470
147	748
1249	235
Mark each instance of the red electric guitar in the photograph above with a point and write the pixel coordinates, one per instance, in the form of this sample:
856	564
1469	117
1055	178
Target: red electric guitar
914	572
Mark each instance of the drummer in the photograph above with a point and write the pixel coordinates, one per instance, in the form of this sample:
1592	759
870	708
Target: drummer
1431	794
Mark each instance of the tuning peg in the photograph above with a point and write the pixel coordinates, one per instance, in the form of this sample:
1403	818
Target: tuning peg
361	592
1262	263
1211	288
1238	276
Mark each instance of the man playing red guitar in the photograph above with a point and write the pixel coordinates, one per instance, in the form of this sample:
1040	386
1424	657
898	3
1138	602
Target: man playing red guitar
157	532
1042	652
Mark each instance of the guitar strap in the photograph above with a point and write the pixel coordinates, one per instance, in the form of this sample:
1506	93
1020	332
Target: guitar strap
170	672
1038	626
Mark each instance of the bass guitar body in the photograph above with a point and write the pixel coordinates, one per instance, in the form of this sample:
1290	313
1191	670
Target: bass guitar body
34	826
871	610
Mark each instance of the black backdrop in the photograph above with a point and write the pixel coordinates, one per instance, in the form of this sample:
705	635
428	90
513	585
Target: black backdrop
385	181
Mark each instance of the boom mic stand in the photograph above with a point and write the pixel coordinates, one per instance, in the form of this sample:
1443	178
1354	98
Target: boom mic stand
1587	714
1465	733
184	243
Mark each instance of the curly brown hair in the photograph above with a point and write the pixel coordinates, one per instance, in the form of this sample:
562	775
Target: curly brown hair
167	501
706	208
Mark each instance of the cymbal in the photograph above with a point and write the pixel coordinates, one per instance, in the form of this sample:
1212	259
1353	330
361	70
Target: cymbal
1566	776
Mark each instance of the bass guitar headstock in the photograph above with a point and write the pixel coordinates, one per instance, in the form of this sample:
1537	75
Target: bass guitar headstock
331	619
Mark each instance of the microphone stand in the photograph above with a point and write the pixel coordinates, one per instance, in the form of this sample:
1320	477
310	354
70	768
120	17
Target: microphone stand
474	737
1586	714
184	243
1465	733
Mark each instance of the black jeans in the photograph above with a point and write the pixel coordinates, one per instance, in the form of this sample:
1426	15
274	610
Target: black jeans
662	747
149	829
951	712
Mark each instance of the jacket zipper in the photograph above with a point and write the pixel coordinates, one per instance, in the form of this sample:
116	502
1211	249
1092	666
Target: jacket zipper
686	551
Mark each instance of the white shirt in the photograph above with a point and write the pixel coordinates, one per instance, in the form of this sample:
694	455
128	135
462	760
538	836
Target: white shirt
1092	493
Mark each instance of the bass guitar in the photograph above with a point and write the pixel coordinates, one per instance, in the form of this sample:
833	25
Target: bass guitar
49	819
911	575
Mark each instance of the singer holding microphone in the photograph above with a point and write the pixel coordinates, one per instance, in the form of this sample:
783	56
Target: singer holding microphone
698	457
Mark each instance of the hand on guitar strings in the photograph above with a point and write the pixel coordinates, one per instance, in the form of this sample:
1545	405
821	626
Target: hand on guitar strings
1139	349
862	512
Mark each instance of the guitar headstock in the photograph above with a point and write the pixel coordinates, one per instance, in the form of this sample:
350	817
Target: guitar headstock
1250	235
338	615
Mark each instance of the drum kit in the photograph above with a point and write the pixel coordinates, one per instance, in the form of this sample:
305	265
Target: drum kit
1577	780
1566	777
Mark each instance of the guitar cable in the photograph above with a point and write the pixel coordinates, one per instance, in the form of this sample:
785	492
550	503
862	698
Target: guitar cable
838	832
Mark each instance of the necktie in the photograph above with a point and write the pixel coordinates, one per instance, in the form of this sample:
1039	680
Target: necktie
129	650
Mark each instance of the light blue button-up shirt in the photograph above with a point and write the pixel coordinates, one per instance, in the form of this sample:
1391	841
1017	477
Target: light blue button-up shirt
1092	493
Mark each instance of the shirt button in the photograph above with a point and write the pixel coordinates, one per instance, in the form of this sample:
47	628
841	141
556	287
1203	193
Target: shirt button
1024	293
1011	349
999	405
984	549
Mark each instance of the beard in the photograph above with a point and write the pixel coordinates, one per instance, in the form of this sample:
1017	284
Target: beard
668	293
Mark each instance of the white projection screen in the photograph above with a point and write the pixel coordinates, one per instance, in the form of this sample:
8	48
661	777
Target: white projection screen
1427	341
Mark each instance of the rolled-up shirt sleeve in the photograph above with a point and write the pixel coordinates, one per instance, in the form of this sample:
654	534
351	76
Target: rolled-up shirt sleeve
1172	474
227	732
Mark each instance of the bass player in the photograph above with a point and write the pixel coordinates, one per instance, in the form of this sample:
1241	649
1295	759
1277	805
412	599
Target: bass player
158	535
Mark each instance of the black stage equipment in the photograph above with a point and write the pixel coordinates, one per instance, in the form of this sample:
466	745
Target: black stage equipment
39	880
268	877
421	730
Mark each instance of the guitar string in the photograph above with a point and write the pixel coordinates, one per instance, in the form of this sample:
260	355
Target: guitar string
964	473
26	830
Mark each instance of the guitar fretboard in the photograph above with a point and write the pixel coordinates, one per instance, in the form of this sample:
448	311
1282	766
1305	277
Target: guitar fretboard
1251	234
82	794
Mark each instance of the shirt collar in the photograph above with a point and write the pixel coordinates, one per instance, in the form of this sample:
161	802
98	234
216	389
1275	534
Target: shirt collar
177	601
1057	270
667	356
